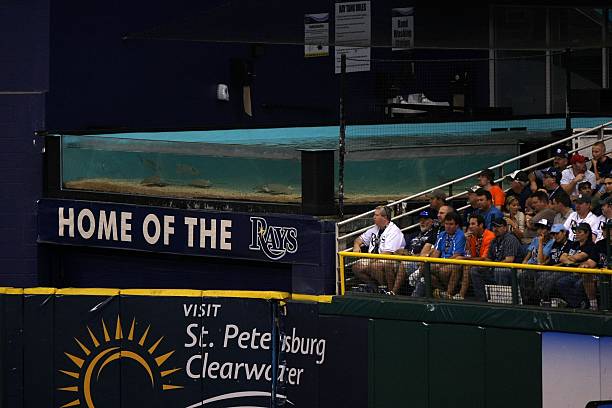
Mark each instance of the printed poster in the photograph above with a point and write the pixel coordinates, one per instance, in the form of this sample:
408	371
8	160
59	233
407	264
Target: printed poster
402	28
353	36
316	35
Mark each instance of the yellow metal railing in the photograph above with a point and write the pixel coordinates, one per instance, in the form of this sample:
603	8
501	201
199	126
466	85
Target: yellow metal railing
346	254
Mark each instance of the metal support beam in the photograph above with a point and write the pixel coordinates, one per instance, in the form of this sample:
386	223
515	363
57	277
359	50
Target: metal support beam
491	57
548	68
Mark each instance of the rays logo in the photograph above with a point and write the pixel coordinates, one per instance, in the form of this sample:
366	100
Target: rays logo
273	241
102	348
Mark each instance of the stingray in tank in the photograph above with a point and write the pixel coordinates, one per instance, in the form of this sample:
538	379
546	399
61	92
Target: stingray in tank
275	189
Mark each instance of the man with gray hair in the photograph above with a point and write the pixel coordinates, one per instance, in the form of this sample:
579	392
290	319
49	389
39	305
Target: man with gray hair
383	238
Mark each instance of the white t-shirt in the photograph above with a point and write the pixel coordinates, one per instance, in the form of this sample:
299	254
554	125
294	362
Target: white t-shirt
602	230
391	238
591	219
568	175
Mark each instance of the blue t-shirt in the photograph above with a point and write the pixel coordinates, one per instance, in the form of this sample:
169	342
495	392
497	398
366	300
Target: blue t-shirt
490	215
448	245
533	248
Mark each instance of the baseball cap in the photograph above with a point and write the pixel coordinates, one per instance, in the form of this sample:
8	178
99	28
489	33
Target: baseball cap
499	222
437	193
583	198
560	152
583	226
552	172
518	175
428	213
543	223
472	189
558	228
578	158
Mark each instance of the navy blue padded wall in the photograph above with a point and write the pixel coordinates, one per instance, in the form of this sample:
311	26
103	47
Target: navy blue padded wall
24	68
20	187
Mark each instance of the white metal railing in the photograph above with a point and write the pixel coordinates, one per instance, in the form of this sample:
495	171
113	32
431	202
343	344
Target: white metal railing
599	129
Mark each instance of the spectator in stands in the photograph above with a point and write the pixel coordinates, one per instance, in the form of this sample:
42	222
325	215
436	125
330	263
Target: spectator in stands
584	188
560	158
437	200
560	161
601	165
537	252
514	216
519	187
504	248
539	203
607	183
604	240
383	238
486	180
541	244
546	281
605	192
472	200
583	214
551	179
419	243
570	178
439	222
605	219
487	210
561	205
450	244
582	253
477	248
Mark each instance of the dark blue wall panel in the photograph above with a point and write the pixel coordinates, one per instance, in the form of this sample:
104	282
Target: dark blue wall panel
20	187
24	48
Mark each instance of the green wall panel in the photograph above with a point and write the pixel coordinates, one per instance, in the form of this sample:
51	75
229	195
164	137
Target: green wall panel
398	364
38	311
513	368
12	395
456	366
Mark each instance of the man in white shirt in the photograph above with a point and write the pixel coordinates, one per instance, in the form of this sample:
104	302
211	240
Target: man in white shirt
583	214
570	178
383	238
606	216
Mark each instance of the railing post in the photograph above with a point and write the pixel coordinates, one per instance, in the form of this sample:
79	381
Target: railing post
342	137
605	279
605	292
427	275
515	287
341	277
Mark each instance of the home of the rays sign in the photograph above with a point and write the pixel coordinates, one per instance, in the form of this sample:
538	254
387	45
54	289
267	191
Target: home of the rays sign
98	348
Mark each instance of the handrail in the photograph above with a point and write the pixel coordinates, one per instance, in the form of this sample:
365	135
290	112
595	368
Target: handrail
491	264
512	265
471	175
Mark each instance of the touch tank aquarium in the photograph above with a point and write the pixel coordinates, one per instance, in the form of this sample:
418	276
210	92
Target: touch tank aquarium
263	165
179	169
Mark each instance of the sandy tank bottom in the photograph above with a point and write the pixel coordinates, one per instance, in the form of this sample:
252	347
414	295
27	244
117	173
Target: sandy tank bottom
108	185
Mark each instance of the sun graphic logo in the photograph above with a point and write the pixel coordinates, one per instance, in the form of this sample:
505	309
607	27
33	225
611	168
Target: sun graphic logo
95	355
